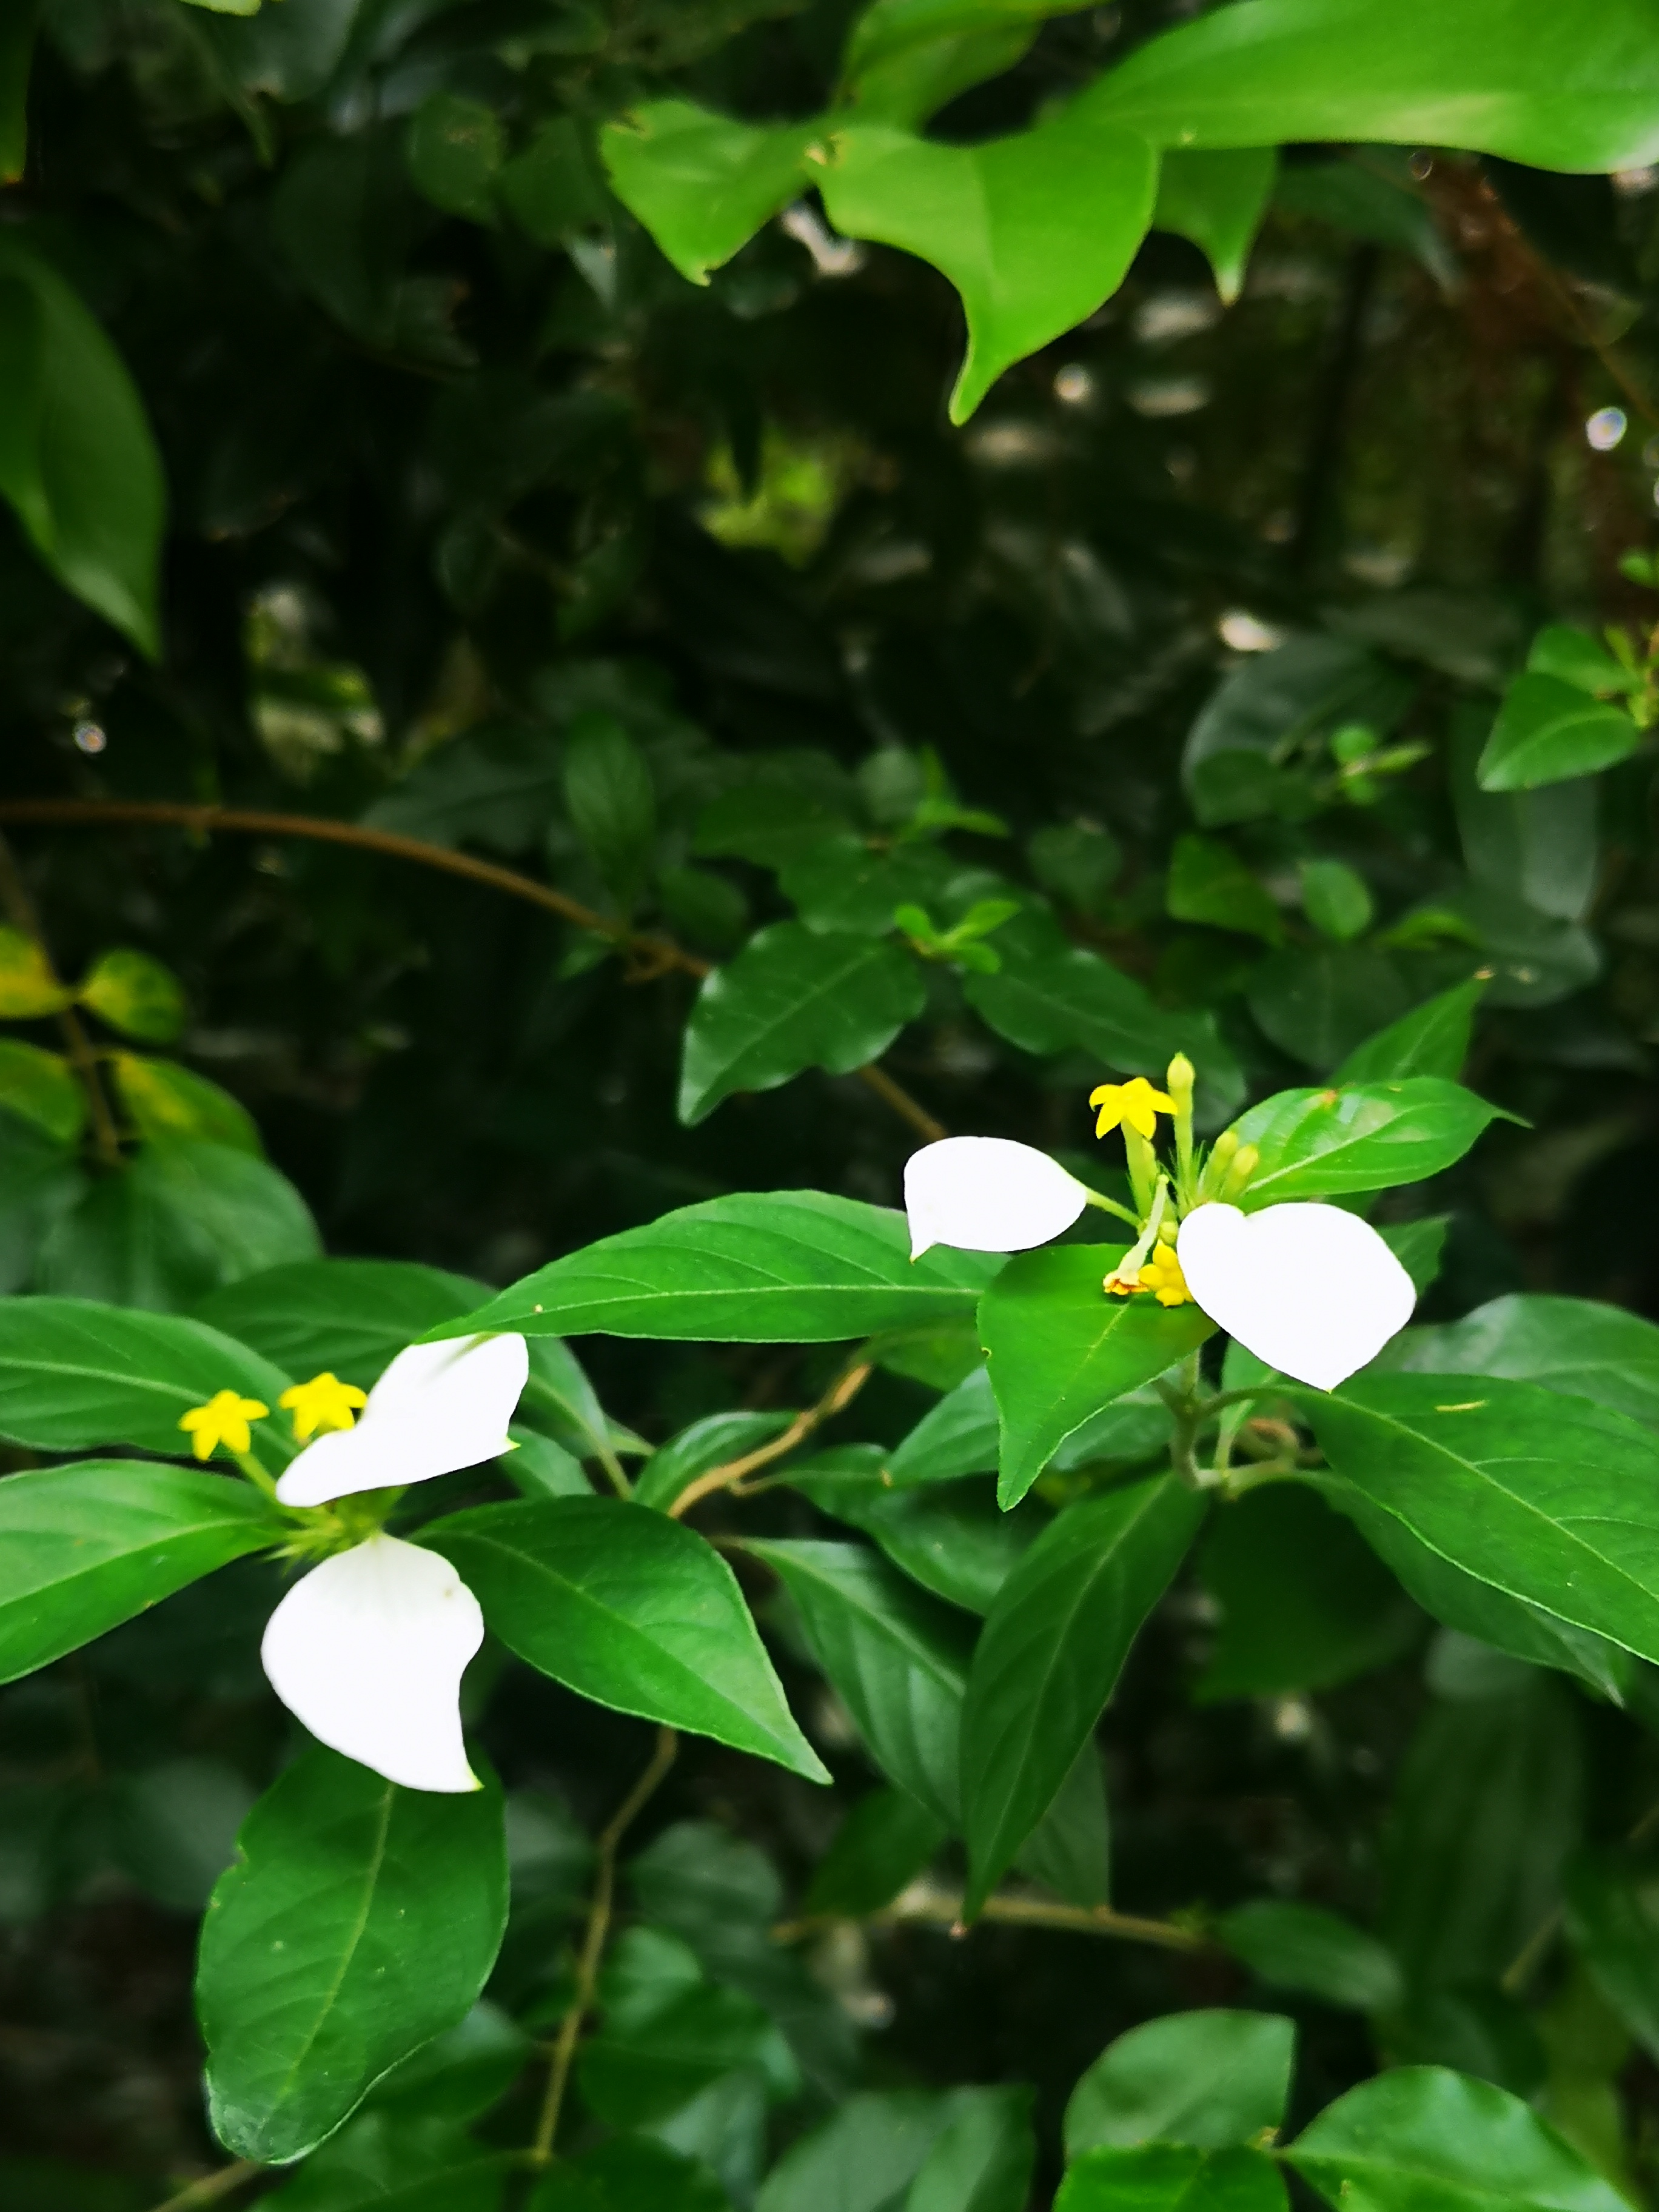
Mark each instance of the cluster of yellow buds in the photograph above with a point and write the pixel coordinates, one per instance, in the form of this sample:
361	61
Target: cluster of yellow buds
1161	1200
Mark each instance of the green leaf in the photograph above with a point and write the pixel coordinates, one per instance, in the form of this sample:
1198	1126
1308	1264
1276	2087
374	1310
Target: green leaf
1531	852
1545	1497
1304	1603
1172	2178
713	1442
397	2162
1576	658
882	1844
1208	883
906	58
1493	77
28	986
41	1088
182	1218
1367	1136
702	183
1576	1346
758	1267
358	1921
953	1539
1317	1001
16	51
1613	1918
1061	1348
77	459
1210	2078
85	1547
1053	1648
1217	201
1070	1849
1433	1039
1267	709
1548	732
74	1375
1420	2135
648	2061
863	2156
983	2159
135	995
633	2173
1420	1246
898	1658
1337	900
346	1316
1035	231
630	1608
794	998
1302	1947
1356	198
611	801
162	1100
460	2073
957	1437
454	150
843	884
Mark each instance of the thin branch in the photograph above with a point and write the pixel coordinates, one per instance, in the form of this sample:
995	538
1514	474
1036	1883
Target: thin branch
593	1942
211	2187
940	1908
647	954
840	1392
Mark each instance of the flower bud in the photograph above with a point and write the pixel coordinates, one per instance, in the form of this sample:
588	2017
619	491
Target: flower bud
1245	1160
1179	1080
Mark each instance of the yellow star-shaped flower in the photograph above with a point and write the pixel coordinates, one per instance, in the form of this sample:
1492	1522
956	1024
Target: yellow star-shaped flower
325	1403
223	1420
1134	1104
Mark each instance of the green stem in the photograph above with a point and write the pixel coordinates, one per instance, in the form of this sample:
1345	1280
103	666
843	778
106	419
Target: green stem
1110	1206
255	1474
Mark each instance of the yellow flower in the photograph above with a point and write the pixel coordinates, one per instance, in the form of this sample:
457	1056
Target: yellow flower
1134	1103
1160	1273
325	1403
223	1420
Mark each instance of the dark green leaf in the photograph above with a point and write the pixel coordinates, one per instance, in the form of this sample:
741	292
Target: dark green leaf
612	800
953	1539
884	1843
1061	1348
1548	732
1172	2178
1433	1039
1301	1947
347	1317
864	2157
982	2162
702	184
1536	850
778	1268
454	150
1218	200
84	1547
958	1436
898	1658
647	2063
1211	2079
630	1608
713	1442
1317	1001
358	1921
1613	1918
634	2174
1420	1246
1371	1136
1337	900
1070	1849
467	2068
392	2162
175	1828
1208	883
1053	1645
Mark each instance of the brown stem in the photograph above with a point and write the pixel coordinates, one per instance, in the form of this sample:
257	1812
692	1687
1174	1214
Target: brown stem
593	1942
105	1132
943	1909
840	1392
211	2187
649	955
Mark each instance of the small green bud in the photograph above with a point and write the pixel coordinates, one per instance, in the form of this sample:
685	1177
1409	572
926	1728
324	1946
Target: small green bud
1179	1080
1245	1162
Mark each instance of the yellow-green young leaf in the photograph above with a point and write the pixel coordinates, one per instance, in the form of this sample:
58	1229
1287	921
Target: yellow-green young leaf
454	148
77	459
702	183
1034	231
1559	88
28	988
42	1088
226	6
1217	201
1549	731
165	1100
16	51
135	995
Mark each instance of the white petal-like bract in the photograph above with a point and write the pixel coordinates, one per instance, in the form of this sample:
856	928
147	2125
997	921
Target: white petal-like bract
1309	1289
368	1651
986	1195
438	1407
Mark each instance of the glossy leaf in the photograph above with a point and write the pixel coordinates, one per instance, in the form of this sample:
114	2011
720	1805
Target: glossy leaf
358	1921
86	1546
1420	2132
78	462
779	1267
74	1374
983	2160
1052	1647
1548	732
957	1437
39	1087
1576	1346
898	1658
1373	1136
1217	200
704	184
1172	2178
1210	2078
793	999
349	1317
1545	1497
1433	1039
630	1608
1061	1349
1303	1947
953	1539
1034	230
1492	76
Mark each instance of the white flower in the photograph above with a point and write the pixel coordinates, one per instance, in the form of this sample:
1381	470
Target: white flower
369	1651
986	1195
1312	1290
438	1407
